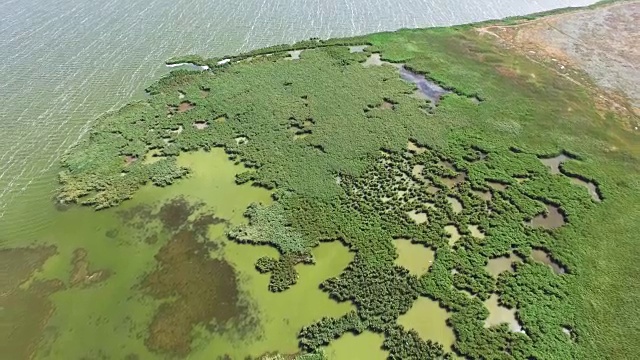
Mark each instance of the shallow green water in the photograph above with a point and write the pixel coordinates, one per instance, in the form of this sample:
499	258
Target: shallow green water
430	321
416	258
362	346
116	306
282	314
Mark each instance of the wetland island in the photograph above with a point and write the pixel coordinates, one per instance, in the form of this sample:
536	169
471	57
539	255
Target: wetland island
468	192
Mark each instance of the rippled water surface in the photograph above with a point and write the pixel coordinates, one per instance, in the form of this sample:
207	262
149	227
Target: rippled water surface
65	62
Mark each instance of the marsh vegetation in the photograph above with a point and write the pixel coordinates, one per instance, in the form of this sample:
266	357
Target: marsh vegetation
407	230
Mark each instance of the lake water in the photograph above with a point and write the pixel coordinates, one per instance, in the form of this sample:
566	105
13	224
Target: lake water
65	62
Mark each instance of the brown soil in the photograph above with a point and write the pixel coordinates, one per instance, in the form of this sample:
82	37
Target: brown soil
128	160
81	275
25	311
586	47
185	106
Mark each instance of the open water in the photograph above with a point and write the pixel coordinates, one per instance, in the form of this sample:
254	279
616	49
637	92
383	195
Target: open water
65	62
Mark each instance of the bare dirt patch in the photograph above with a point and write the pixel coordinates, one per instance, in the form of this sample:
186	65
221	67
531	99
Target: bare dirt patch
601	43
200	125
185	106
128	160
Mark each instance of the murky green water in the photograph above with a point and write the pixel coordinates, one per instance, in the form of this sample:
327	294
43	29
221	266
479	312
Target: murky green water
416	258
430	321
362	346
119	240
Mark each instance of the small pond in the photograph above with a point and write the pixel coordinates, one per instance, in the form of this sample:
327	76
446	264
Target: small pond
456	205
552	219
427	89
498	265
416	258
417	216
553	163
454	235
543	257
429	320
590	186
499	314
476	232
294	55
357	48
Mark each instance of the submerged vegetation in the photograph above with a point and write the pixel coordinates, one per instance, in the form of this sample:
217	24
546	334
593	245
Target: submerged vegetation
352	154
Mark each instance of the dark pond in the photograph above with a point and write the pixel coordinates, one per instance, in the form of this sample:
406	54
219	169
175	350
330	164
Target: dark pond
357	48
591	187
553	218
426	88
542	256
553	163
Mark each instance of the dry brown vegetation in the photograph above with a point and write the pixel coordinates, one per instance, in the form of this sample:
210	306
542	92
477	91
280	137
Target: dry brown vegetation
595	46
